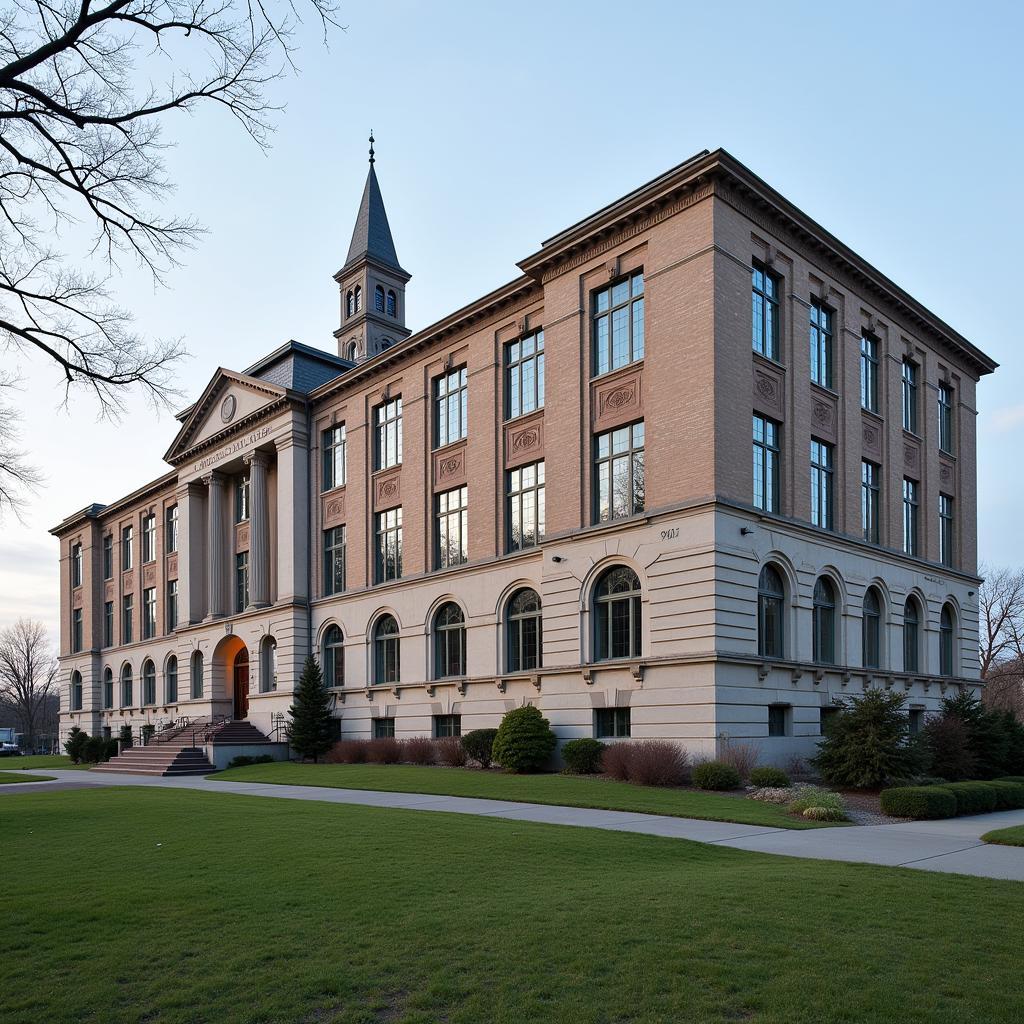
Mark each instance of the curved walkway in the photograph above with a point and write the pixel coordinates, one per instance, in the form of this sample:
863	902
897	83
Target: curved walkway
953	845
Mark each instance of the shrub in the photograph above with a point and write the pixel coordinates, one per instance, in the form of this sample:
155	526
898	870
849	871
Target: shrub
824	814
615	760
244	760
657	763
867	745
715	775
583	756
813	796
95	750
741	756
420	750
450	751
74	745
385	750
479	745
1009	795
125	736
348	752
973	797
1011	778
148	731
311	722
524	741
766	775
949	747
919	802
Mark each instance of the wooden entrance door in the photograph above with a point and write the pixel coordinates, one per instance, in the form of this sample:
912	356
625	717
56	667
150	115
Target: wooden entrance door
241	686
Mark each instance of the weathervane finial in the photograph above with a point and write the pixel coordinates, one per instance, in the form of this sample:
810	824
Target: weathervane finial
371	145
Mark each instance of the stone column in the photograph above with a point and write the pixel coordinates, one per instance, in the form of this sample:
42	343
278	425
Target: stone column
259	531
292	521
215	544
191	581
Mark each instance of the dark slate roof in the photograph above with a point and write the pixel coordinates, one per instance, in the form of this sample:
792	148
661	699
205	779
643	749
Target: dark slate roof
298	367
371	237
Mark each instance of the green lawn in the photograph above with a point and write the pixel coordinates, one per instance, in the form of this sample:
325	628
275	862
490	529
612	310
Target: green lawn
9	777
567	790
1013	836
21	764
177	907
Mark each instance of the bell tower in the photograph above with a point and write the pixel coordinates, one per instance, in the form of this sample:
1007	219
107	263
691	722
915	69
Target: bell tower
372	281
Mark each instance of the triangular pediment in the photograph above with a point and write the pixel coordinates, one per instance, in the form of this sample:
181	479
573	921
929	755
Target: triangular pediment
230	399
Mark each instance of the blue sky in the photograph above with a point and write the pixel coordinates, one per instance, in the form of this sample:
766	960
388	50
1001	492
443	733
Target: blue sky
898	128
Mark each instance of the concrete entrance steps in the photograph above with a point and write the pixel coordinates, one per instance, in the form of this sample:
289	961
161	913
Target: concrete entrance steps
238	732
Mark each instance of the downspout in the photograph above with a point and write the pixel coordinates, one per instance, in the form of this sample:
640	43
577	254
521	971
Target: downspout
310	491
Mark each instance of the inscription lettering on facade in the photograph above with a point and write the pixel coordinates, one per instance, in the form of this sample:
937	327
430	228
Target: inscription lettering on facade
232	449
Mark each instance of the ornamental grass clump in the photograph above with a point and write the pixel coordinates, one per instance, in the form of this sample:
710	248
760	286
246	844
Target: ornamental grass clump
450	752
420	750
348	752
525	740
384	750
657	763
615	761
818	799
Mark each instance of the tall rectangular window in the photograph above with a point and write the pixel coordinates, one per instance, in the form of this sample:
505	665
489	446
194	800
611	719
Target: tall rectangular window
619	472
108	556
909	379
108	623
451	407
334	560
172	605
524	375
241	581
76	565
765	297
127	545
821	484
869	373
910	503
766	464
241	499
149	613
946	529
388	444
525	506
127	617
612	723
451	532
778	719
870	484
388	555
149	538
76	630
108	690
946	418
618	323
334	457
821	344
171	530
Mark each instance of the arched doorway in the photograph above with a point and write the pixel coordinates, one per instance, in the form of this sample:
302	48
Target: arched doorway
240	684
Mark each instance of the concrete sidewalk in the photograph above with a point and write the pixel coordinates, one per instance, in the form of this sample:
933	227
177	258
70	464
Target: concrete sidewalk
953	845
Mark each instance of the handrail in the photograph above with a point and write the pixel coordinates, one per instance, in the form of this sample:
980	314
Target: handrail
210	729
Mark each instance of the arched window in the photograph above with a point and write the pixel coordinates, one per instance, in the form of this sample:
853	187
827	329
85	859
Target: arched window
378	299
771	601
196	673
392	303
449	641
824	622
911	636
268	665
871	629
617	614
947	641
350	303
108	688
359	298
352	351
148	683
76	691
334	657
126	686
386	665
171	681
525	632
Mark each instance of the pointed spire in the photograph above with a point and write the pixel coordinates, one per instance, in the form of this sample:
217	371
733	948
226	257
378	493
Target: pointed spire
371	236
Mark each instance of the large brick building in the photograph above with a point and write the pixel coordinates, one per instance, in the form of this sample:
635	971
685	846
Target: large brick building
699	471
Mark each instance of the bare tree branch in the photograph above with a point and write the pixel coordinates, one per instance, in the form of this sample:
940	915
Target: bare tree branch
28	674
1001	604
82	143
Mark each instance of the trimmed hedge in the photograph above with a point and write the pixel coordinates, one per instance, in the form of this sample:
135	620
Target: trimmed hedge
1009	794
919	802
1011	778
582	756
767	777
715	775
973	797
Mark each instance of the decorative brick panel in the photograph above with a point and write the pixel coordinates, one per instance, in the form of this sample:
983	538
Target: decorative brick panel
617	399
149	575
947	475
871	438
769	387
172	567
524	440
823	415
108	590
387	489
911	457
128	582
241	537
450	467
333	509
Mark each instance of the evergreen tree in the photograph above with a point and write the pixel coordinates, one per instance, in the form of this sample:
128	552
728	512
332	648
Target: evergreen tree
75	744
310	730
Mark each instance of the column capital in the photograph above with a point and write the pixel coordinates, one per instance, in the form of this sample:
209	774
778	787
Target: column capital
258	458
214	479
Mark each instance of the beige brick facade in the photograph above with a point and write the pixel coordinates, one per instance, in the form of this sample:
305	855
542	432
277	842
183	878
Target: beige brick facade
697	548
